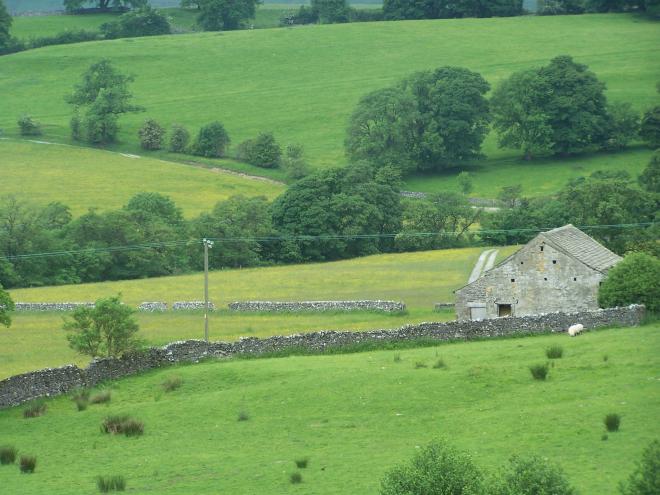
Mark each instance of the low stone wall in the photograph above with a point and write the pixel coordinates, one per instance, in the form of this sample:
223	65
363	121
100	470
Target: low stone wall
153	307
21	388
274	306
61	306
442	305
191	305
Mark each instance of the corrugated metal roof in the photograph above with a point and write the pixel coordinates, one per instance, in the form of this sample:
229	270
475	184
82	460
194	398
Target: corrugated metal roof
582	247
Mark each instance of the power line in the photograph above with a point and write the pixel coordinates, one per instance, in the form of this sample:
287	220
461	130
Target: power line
311	238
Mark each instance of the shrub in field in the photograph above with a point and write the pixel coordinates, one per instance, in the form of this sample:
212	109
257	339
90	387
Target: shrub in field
8	454
302	463
122	424
145	21
28	126
531	476
440	363
107	484
294	163
436	469
102	397
211	141
612	422
172	383
645	480
243	416
151	135
28	463
263	151
81	403
35	409
179	139
295	478
554	352
420	364
539	371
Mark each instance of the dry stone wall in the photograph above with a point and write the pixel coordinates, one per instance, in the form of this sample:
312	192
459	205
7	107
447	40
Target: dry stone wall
51	306
21	388
191	305
273	306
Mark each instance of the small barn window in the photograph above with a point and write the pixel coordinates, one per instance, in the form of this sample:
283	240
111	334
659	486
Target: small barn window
554	262
541	248
521	262
513	280
545	278
574	279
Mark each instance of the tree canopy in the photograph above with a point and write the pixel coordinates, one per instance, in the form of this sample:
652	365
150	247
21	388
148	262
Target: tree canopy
446	9
5	25
6	307
559	108
104	95
635	279
217	15
430	121
73	5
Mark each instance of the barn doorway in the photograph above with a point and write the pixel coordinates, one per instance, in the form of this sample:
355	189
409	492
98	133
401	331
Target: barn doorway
504	310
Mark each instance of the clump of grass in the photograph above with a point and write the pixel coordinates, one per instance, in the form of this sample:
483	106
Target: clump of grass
302	463
612	422
81	403
539	371
107	484
35	409
102	397
243	416
554	352
172	383
420	364
295	478
122	424
439	364
28	463
397	357
80	393
8	454
604	437
605	358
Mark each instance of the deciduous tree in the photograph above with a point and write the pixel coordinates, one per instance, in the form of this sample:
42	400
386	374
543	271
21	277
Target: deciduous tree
6	307
634	280
217	15
73	5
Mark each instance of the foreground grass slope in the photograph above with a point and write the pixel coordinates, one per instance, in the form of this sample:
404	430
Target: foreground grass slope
315	75
418	279
83	178
354	416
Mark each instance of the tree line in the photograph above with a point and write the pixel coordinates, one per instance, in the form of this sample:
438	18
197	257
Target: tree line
434	120
329	215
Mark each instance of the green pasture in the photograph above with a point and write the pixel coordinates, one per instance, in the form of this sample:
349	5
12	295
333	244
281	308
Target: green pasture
419	279
354	416
83	178
302	83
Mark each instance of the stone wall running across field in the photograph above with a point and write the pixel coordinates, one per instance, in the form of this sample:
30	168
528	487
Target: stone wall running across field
49	382
52	306
273	306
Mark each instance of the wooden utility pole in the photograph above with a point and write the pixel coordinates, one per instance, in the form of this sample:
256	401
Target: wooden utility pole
207	244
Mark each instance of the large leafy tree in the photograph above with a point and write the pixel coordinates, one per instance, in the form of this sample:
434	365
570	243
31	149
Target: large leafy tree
341	205
218	15
650	128
559	108
5	25
430	121
448	9
72	5
102	97
108	329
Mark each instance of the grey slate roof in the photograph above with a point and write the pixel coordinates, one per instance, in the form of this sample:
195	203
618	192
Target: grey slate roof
582	247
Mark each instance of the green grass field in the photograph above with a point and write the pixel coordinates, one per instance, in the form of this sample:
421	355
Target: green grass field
354	416
419	279
83	178
302	83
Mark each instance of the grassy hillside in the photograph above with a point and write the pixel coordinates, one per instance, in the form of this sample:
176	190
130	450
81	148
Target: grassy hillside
314	76
418	279
354	416
83	178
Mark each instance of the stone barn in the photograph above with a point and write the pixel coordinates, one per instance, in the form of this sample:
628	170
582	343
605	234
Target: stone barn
558	270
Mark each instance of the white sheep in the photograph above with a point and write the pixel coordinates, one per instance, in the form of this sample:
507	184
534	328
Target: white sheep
574	330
